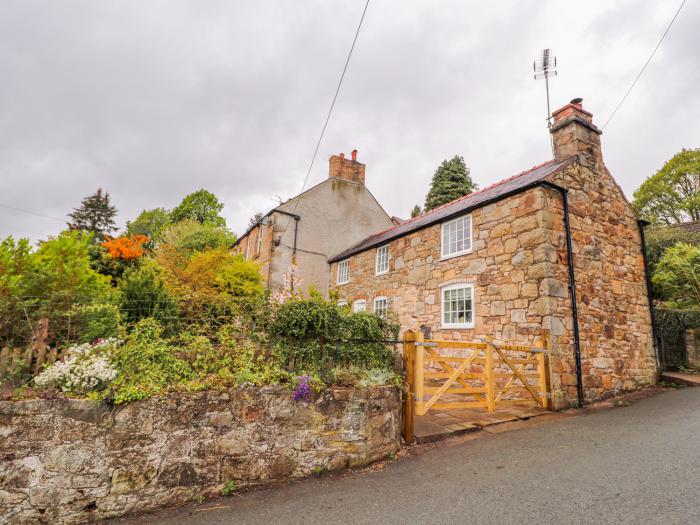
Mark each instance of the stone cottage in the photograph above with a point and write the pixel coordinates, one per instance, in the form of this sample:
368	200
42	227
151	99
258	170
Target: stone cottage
302	233
556	247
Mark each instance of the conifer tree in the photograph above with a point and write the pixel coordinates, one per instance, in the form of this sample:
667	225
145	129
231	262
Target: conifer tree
95	215
415	212
450	181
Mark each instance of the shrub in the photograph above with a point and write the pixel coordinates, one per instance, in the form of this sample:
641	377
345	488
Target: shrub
94	321
143	295
677	275
86	369
146	364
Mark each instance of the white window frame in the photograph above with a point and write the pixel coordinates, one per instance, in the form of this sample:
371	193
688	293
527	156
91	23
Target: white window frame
342	303
457	286
467	219
359	306
384	310
383	258
343	275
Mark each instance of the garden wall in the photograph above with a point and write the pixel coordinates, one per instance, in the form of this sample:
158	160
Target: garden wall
75	461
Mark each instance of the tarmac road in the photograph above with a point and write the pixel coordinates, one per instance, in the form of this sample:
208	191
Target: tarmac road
630	464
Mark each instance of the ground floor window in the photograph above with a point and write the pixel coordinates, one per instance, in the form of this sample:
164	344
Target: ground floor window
458	306
380	306
359	306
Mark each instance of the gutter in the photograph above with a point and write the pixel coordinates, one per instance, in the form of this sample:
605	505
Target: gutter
642	223
572	288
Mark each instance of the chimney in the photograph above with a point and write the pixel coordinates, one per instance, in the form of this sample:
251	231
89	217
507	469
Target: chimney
573	133
341	168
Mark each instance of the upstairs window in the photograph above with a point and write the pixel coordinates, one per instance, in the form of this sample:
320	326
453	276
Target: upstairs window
458	306
382	263
359	306
343	272
457	236
380	306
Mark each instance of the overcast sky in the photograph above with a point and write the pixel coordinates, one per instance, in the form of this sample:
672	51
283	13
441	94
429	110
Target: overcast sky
151	100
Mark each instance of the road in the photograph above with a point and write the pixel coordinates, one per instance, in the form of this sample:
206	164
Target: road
630	464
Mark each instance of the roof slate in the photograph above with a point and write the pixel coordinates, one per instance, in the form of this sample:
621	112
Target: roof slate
468	202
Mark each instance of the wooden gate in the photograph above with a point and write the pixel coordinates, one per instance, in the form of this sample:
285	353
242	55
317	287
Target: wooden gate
482	375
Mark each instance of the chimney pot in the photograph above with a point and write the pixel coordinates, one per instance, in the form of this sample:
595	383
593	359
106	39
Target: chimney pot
342	155
354	155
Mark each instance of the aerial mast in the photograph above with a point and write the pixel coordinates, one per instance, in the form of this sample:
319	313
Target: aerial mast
544	67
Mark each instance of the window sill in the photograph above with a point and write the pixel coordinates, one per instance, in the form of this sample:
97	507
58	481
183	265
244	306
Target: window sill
458	254
343	283
457	326
381	273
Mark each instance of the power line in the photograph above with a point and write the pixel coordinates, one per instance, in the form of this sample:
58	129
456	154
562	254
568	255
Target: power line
645	65
30	212
330	111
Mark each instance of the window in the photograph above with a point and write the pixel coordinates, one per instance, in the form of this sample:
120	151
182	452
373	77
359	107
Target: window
359	305
458	306
457	236
344	272
342	303
380	306
382	263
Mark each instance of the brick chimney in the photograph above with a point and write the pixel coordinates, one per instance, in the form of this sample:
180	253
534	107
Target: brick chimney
574	133
347	169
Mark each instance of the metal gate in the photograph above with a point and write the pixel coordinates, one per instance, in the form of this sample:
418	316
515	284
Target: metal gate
670	332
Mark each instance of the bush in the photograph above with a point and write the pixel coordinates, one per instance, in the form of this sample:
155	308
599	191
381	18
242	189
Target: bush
87	368
677	276
95	321
143	295
147	364
314	334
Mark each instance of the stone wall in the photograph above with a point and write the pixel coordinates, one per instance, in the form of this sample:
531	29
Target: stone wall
76	461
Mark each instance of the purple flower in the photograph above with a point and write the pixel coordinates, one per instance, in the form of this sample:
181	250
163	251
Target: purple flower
303	391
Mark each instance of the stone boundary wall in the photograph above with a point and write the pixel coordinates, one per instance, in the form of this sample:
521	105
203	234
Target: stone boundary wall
76	461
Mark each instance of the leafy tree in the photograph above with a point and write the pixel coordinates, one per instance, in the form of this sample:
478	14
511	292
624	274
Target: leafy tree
125	247
15	267
677	275
201	206
416	211
660	239
189	236
95	215
450	181
672	194
150	223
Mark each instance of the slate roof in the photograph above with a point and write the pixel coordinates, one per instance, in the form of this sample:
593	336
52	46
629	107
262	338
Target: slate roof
693	227
463	204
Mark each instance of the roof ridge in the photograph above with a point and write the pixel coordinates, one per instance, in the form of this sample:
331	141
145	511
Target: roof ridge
508	179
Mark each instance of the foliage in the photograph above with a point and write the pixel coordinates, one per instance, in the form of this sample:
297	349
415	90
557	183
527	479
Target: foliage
143	294
659	239
255	219
355	376
86	369
48	282
96	321
450	181
94	215
314	334
146	364
201	206
228	488
672	194
677	275
416	211
189	236
125	247
150	223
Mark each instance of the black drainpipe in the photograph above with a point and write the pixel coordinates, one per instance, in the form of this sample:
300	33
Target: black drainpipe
654	335
572	289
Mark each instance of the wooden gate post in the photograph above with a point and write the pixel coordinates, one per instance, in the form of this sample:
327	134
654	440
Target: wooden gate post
419	381
490	380
546	374
409	355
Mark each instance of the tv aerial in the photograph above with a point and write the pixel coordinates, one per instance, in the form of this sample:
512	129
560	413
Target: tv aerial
545	67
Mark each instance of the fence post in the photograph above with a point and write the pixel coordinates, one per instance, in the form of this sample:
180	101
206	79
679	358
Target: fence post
490	379
419	364
39	344
409	349
546	373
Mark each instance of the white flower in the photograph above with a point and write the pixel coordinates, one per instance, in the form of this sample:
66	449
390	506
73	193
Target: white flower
86	368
